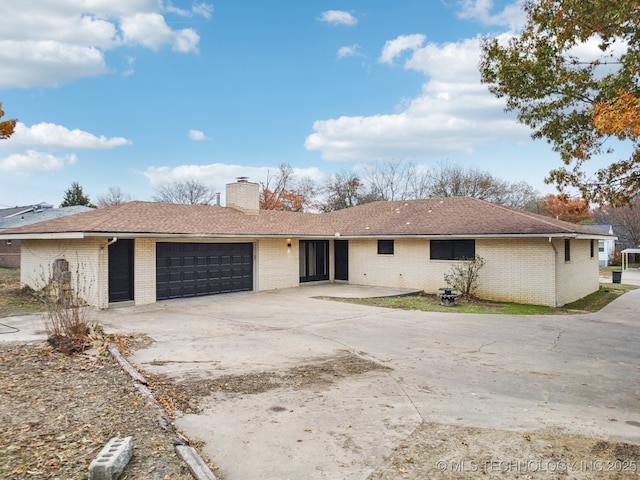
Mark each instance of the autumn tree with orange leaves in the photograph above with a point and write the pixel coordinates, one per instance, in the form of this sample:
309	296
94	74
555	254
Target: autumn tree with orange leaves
283	191
573	76
7	126
560	207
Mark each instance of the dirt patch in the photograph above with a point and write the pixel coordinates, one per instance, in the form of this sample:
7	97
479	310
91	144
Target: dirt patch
58	411
441	452
185	396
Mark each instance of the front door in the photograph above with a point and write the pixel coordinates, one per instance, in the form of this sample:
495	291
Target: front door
314	260
121	271
341	248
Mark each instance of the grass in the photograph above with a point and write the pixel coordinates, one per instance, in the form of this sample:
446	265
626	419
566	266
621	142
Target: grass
13	299
430	303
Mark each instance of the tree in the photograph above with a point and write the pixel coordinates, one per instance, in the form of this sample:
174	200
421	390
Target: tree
572	75
7	126
561	207
75	196
395	180
344	190
282	191
189	192
454	180
115	196
625	221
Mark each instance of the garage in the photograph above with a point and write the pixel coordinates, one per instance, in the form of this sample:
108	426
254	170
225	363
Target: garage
195	269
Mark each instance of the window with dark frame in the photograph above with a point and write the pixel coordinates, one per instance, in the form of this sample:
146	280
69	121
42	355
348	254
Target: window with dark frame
385	247
567	250
592	249
452	249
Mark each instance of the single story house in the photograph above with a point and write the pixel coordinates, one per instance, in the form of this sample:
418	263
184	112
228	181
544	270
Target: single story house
142	252
15	217
606	248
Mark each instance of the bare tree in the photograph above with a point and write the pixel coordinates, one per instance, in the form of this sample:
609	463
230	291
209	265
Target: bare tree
625	221
115	196
342	190
395	180
450	180
190	192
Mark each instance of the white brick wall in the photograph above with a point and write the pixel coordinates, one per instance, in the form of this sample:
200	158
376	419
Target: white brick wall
144	271
276	264
579	276
87	264
516	270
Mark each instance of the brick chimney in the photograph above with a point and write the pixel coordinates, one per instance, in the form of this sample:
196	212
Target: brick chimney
244	196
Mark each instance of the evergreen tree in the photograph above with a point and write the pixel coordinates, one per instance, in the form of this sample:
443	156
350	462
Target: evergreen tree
75	196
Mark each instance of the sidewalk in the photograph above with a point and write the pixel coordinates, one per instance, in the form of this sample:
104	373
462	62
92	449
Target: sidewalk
631	276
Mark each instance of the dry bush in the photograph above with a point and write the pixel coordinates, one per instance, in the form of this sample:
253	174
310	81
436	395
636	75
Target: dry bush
464	276
68	316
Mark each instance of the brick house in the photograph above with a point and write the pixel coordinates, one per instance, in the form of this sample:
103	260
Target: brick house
142	252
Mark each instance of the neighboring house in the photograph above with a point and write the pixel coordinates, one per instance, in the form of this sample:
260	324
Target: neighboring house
11	218
606	248
142	252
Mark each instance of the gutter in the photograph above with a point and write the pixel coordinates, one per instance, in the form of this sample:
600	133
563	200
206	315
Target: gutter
555	271
81	235
42	236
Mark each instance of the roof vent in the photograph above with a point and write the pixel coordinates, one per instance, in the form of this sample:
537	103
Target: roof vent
242	179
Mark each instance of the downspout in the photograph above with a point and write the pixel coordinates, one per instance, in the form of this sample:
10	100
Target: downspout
110	242
555	271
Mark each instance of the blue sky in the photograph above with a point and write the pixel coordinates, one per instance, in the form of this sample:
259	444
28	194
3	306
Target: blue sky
135	93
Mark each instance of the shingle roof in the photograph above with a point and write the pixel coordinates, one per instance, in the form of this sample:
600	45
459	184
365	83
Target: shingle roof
28	218
452	216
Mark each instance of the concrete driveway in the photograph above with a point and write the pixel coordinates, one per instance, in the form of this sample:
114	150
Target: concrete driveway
577	374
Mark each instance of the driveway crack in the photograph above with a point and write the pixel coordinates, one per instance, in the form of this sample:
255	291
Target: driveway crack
477	350
556	341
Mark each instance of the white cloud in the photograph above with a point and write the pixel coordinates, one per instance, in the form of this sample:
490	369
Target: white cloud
454	114
393	48
47	43
202	9
45	63
31	162
512	16
338	17
50	135
32	150
197	135
151	31
349	51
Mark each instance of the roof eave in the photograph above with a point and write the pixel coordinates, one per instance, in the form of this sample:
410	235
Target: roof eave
42	236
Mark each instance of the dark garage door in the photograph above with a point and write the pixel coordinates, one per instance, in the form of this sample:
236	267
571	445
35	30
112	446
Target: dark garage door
193	269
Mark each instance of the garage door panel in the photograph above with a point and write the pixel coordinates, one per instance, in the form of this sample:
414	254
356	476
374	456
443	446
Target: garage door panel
193	269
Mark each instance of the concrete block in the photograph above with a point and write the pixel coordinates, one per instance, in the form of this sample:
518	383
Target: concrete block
112	459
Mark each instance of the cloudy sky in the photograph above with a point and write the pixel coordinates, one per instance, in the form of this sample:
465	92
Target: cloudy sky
134	93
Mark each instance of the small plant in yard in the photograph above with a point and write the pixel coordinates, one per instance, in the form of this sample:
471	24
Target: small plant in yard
67	319
463	276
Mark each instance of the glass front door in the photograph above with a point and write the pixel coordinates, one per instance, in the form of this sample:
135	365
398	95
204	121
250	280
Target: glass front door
314	260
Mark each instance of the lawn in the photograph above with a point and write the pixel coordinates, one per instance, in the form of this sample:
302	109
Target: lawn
431	303
13	299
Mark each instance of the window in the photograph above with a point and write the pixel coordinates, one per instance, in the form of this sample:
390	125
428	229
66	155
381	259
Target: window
385	247
601	245
452	249
592	249
9	242
567	250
